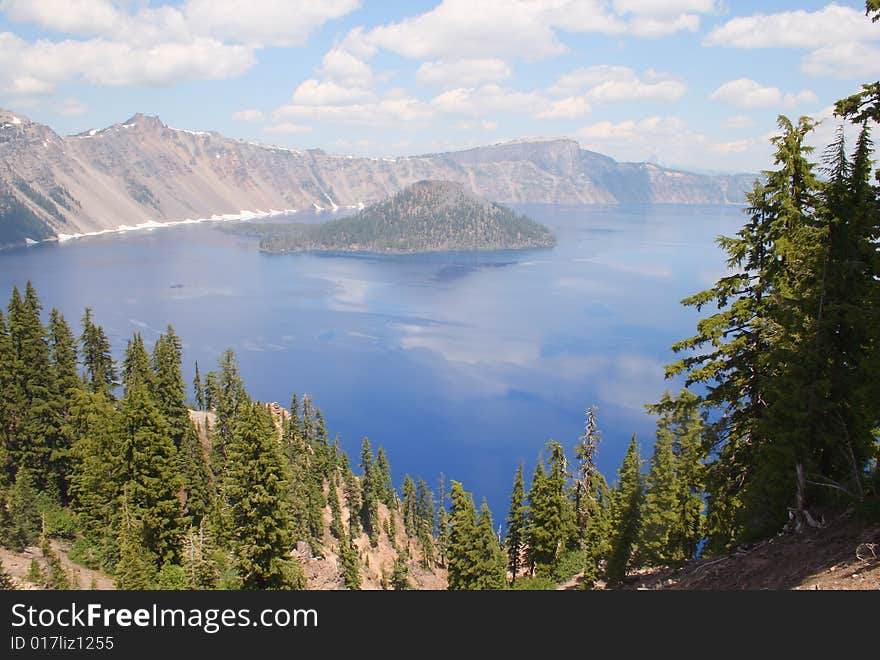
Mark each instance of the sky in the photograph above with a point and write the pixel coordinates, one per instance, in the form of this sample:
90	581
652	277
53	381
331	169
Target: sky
696	84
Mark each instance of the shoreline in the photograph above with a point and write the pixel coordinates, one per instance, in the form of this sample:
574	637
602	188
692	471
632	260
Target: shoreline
153	224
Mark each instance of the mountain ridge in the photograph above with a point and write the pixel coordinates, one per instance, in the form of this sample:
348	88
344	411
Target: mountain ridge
142	172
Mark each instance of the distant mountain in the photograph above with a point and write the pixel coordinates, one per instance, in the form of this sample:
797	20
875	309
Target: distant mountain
426	216
143	171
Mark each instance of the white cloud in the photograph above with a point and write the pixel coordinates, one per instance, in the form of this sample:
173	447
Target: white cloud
385	112
665	8
738	121
852	60
288	127
266	22
610	84
72	108
462	29
462	73
572	107
832	24
88	17
632	129
39	66
313	92
478	101
133	43
343	67
248	115
746	93
734	146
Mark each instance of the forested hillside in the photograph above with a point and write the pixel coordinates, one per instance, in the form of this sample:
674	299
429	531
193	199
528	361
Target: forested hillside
427	216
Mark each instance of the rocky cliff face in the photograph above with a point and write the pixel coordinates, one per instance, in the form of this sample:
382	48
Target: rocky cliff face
144	171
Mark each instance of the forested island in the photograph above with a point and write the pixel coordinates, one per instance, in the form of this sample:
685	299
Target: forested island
427	216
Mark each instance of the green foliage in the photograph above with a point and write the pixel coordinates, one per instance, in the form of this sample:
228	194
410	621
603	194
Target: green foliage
256	493
136	569
551	525
348	556
198	390
426	216
172	577
196	476
475	560
626	503
97	358
6	583
24	523
515	541
672	517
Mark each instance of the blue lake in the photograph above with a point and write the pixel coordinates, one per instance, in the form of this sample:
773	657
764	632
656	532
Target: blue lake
460	363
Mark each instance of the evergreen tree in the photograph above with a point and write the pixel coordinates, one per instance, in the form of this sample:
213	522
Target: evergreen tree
400	574
25	521
136	365
385	487
65	382
199	565
660	514
228	397
516	526
626	505
371	489
10	402
136	569
463	551
425	514
97	359
551	519
256	493
348	556
198	390
38	431
196	476
410	506
148	471
442	522
492	567
170	394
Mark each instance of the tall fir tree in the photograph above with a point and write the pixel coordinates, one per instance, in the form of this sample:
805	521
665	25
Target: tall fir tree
65	383
551	517
198	390
97	357
462	551
256	493
148	471
626	506
492	571
516	526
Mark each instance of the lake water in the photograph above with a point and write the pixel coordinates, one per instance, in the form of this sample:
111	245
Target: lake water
459	363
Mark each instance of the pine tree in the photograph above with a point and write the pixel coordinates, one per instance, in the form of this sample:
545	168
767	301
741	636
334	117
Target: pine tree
228	397
410	505
97	358
148	471
199	565
626	505
516	526
65	382
660	514
551	518
10	402
425	514
136	569
371	489
492	571
462	552
25	521
385	487
198	390
196	476
136	365
170	394
256	493
348	556
442	522
38	430
94	480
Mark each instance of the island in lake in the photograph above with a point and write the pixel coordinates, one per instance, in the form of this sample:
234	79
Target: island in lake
427	216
